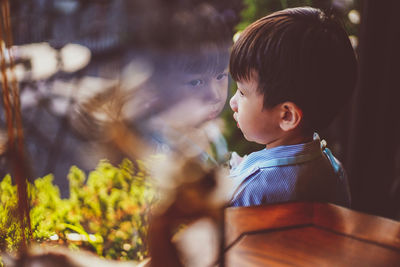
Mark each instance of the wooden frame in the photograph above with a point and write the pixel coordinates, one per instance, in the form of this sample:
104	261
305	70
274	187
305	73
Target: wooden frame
308	234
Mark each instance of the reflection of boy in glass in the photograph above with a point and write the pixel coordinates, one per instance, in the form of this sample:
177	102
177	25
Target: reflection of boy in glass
195	91
189	83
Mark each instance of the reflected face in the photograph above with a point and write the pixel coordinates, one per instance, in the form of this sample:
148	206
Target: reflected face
210	89
203	97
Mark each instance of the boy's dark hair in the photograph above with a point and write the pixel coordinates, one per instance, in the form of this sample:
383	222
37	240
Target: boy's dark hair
299	55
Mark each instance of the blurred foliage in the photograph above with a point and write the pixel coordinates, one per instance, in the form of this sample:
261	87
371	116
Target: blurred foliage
106	213
256	9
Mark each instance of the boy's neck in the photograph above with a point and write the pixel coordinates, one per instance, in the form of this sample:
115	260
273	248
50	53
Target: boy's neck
290	139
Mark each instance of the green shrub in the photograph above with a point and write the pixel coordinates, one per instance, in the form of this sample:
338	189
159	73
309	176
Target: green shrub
107	212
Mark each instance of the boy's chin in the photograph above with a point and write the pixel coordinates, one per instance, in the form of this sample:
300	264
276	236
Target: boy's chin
246	137
253	140
200	123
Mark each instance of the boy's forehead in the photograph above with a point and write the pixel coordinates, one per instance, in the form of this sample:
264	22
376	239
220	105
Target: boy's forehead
250	82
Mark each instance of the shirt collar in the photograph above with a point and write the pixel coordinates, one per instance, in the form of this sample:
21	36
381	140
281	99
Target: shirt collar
257	159
289	151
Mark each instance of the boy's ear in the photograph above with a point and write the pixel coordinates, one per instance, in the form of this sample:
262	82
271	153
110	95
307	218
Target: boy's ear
290	116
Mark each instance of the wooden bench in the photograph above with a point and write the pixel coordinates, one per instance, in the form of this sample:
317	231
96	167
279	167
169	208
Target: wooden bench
309	234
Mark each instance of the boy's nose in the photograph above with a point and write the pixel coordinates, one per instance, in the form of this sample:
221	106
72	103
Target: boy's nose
233	102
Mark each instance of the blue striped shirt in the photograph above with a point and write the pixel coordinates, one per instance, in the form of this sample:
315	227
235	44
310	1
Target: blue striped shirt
301	172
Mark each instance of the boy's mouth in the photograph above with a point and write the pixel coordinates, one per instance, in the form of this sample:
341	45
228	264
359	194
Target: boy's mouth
235	118
213	115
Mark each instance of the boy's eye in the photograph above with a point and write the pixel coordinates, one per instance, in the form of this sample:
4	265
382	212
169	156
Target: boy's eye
221	76
240	92
196	82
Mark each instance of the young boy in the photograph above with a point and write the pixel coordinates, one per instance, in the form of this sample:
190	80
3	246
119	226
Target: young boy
295	70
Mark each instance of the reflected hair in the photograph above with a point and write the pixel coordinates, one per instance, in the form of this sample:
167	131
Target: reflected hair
198	41
210	59
299	55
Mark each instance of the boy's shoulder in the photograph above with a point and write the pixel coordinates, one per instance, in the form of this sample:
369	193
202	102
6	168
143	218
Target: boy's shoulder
297	172
267	159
